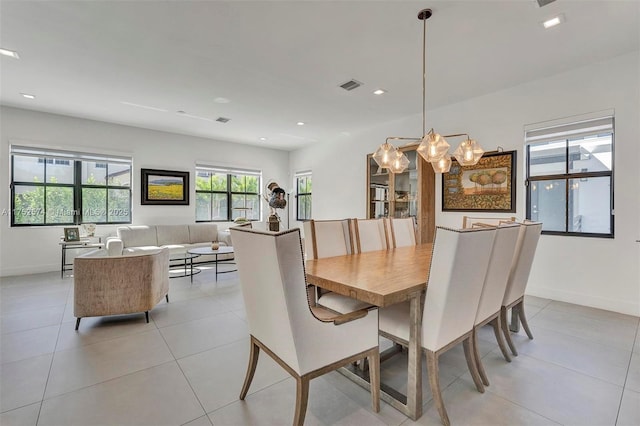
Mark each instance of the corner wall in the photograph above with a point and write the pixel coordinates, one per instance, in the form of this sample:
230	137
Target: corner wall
35	249
602	273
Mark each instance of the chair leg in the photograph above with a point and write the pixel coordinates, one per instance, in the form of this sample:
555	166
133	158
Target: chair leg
467	344
302	397
146	314
476	356
505	330
78	323
251	369
374	380
434	384
523	319
167	297
497	330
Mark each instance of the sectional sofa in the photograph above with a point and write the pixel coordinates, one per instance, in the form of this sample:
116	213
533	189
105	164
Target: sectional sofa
177	238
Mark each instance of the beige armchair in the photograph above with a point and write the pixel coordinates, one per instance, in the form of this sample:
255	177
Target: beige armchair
112	285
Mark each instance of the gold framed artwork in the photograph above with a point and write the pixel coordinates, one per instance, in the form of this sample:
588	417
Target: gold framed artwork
488	186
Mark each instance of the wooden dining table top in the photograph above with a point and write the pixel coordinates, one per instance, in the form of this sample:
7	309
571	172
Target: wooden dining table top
381	278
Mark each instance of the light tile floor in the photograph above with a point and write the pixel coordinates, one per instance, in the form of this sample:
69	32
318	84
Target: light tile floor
187	365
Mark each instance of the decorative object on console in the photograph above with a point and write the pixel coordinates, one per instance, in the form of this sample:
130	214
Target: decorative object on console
433	147
71	234
215	245
89	229
277	200
165	187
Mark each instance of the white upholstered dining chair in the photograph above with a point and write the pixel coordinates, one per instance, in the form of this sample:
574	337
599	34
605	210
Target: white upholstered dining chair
281	323
495	284
518	278
328	238
458	267
473	222
370	235
403	231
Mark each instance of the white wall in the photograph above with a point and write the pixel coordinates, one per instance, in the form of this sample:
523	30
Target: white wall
596	272
35	249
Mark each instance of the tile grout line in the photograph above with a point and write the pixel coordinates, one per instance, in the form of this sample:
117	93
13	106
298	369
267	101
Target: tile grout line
624	386
53	357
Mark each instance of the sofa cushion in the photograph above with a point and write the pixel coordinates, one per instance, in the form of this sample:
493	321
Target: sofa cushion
202	233
172	234
137	236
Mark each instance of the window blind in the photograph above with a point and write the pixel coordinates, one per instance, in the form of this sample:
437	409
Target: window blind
577	130
67	155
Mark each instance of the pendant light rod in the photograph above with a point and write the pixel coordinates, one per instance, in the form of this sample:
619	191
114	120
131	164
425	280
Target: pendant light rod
423	15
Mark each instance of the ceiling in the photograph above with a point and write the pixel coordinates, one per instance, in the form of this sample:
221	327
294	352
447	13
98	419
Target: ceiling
280	62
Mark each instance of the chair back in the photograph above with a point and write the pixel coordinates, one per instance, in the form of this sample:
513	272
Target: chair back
522	261
403	231
458	267
327	238
495	282
371	235
473	222
272	278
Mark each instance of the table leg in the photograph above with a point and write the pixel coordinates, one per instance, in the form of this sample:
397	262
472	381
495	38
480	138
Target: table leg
216	267
414	384
63	256
190	268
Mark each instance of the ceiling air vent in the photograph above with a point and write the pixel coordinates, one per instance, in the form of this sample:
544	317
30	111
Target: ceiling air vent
544	2
351	84
222	120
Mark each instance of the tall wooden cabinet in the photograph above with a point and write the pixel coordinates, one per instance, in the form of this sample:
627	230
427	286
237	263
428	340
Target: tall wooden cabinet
408	194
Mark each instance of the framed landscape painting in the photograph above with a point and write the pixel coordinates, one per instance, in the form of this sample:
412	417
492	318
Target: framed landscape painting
488	186
165	187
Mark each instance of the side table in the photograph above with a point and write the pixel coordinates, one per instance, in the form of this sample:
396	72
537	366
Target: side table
68	245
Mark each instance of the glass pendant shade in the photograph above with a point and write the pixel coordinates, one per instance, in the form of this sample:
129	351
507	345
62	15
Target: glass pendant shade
433	147
399	163
385	155
468	152
442	165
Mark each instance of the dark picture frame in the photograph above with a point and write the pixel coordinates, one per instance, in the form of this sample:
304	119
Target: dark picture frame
165	187
488	186
71	234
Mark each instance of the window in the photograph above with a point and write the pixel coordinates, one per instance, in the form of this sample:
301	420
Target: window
68	188
570	178
303	196
225	194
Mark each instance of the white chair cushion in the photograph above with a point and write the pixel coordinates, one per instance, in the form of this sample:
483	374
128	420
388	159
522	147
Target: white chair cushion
202	233
172	234
138	236
341	304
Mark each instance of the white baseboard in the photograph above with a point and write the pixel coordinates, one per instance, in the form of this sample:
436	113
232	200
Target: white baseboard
621	306
27	270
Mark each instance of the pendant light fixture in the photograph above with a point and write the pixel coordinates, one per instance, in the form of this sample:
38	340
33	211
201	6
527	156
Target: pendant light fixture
433	147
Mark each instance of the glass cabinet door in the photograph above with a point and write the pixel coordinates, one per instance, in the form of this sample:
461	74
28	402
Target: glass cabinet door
378	197
405	190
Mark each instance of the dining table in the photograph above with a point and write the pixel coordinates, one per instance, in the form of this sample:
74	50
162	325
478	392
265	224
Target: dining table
383	278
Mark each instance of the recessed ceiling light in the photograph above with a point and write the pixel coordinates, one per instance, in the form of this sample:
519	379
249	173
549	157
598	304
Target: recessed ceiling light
143	106
221	100
300	123
28	96
379	91
263	139
556	20
10	53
